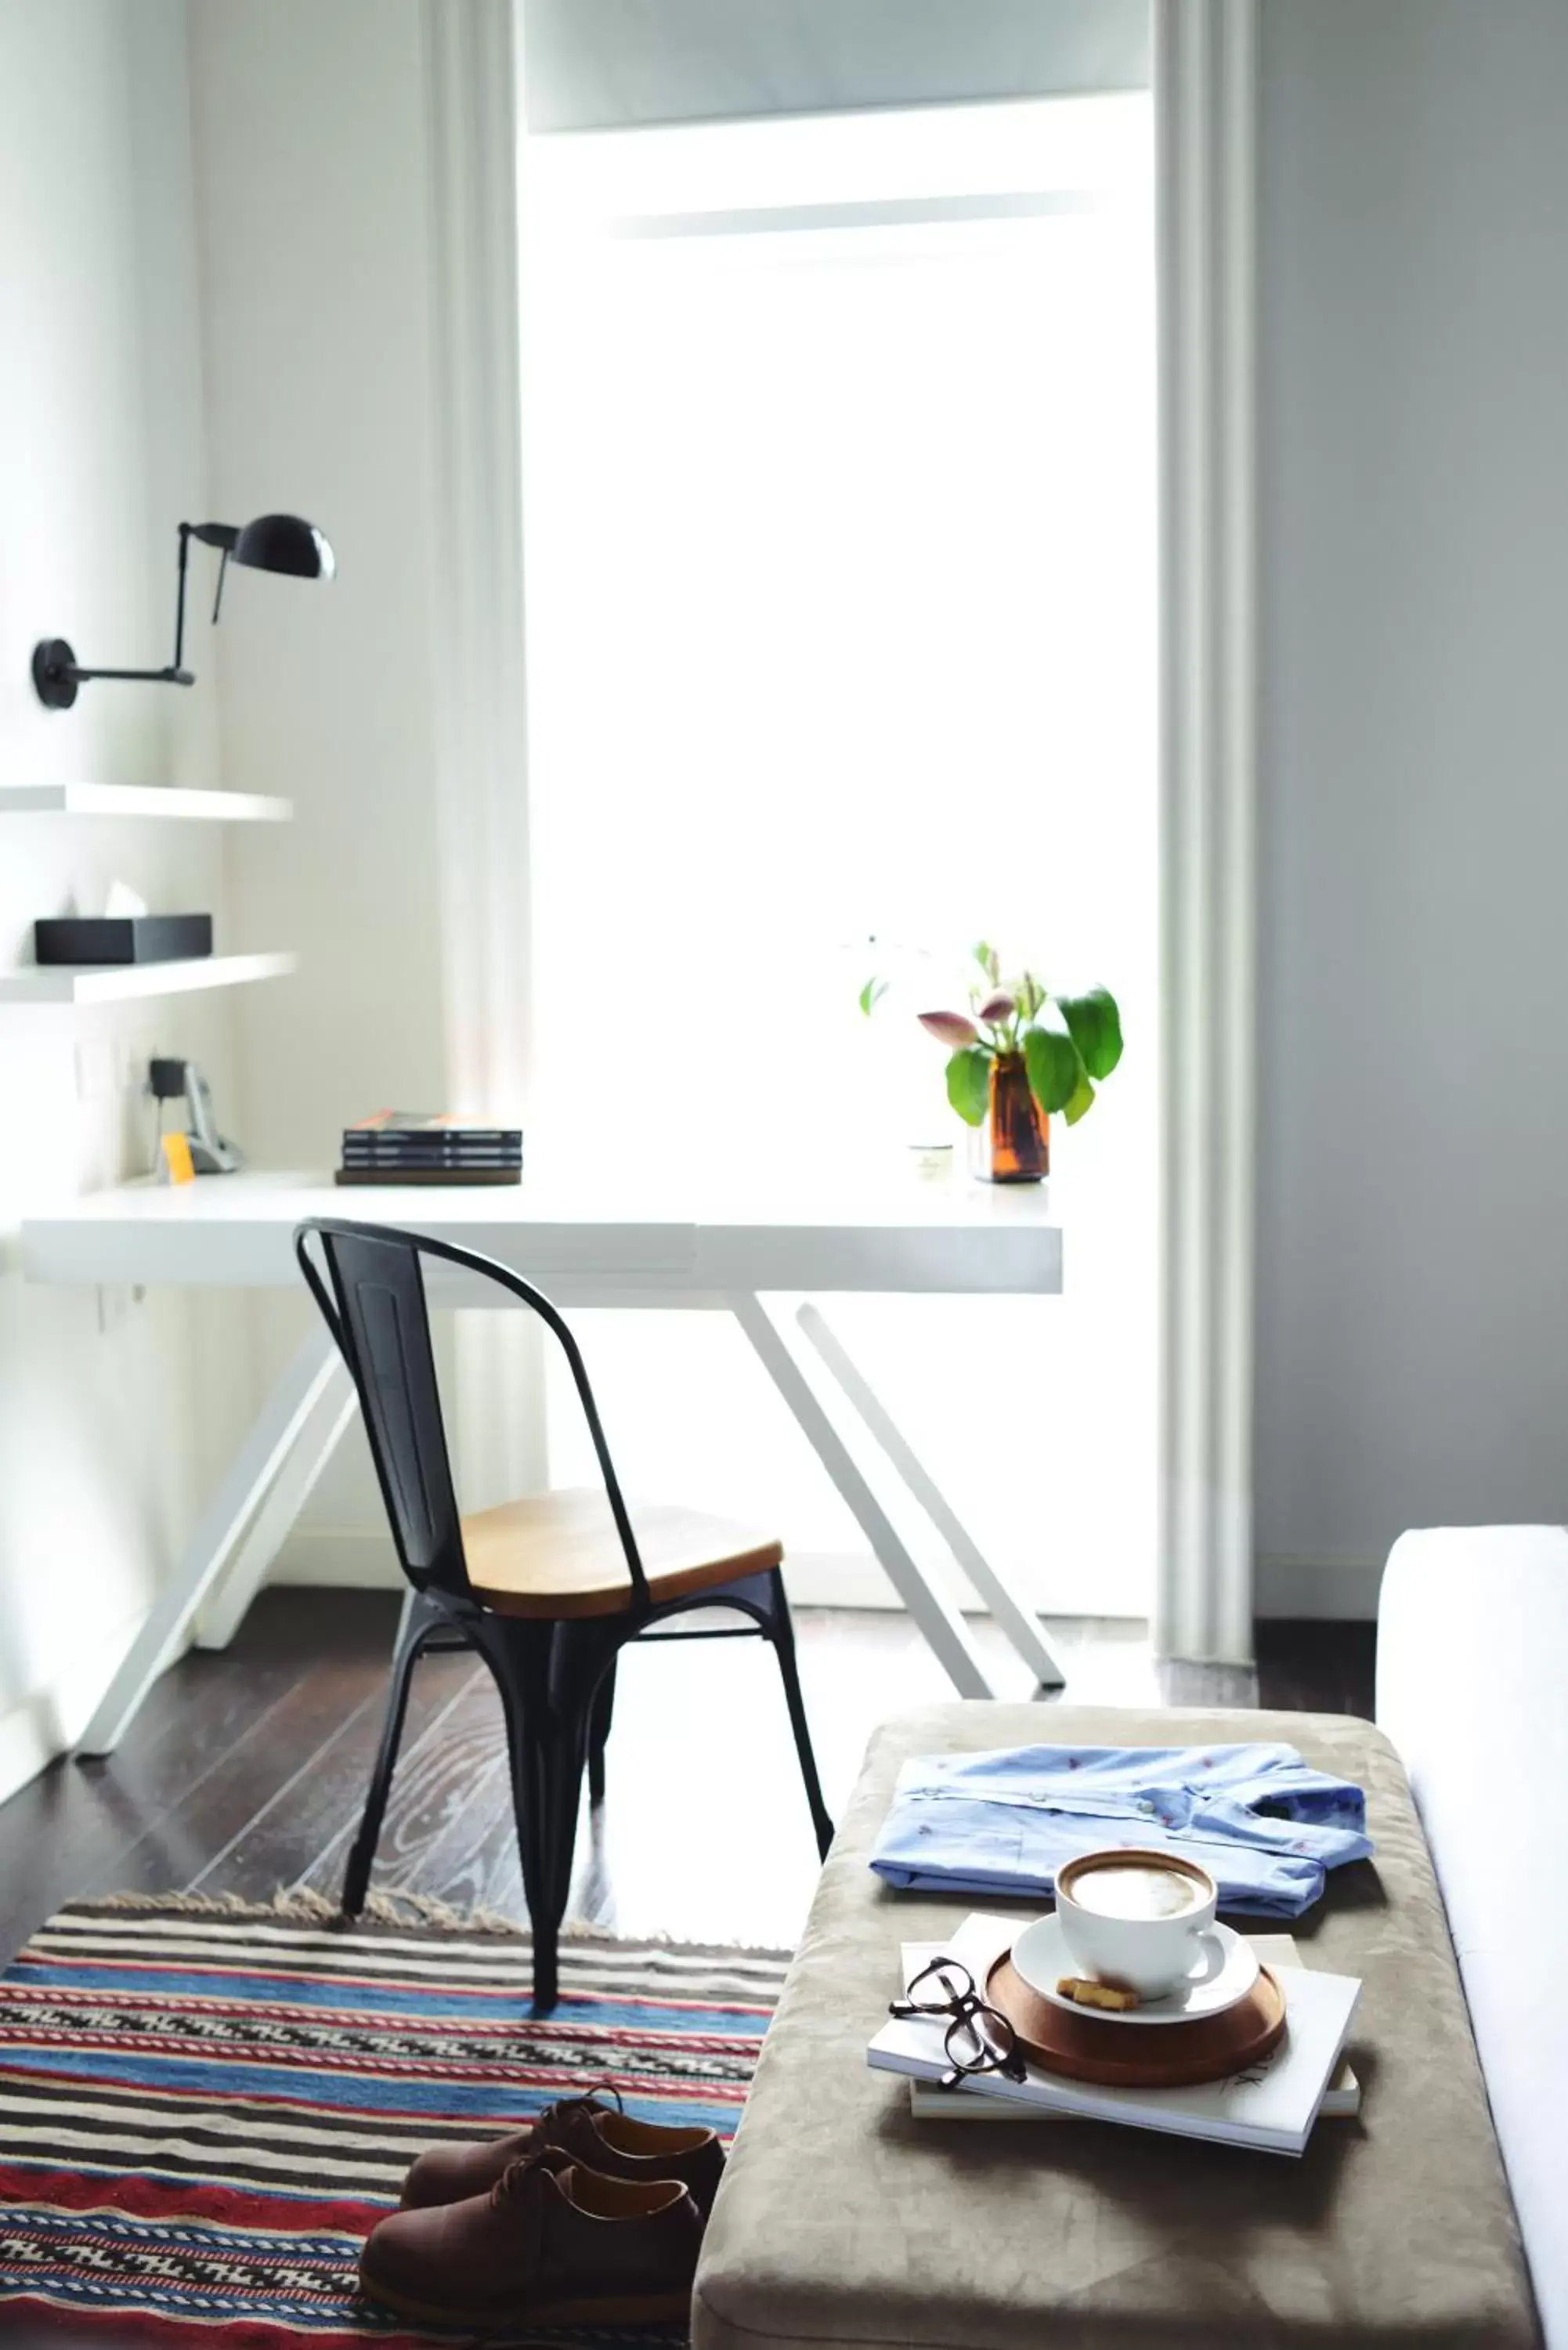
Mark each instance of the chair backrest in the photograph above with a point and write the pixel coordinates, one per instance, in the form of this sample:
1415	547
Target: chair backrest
372	1292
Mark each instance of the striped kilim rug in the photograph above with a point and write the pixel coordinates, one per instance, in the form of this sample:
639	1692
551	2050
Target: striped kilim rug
204	2109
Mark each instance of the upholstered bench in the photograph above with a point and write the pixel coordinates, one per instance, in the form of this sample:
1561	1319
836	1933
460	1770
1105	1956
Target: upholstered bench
843	2221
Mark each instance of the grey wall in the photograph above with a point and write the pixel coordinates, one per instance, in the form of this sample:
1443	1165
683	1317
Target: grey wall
1412	1237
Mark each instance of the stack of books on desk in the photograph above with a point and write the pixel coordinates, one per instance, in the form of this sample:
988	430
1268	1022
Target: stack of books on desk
403	1146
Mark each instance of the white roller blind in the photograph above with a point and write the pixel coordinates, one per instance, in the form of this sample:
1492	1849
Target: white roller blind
594	65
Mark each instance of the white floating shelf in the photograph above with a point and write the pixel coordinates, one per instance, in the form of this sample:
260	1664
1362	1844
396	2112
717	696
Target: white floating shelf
115	983
142	799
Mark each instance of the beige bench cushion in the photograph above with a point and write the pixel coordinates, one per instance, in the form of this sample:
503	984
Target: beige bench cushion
842	2220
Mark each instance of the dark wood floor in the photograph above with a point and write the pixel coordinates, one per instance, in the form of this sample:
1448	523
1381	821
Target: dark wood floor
244	1771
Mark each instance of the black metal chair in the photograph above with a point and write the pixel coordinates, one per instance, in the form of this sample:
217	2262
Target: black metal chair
547	1591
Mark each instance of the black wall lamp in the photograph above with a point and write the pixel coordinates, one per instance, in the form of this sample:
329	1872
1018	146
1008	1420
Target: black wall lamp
277	541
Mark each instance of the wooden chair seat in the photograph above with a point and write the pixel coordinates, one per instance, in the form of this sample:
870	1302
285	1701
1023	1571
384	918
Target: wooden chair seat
558	1555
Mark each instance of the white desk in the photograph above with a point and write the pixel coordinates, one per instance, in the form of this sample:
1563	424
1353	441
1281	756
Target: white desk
681	1250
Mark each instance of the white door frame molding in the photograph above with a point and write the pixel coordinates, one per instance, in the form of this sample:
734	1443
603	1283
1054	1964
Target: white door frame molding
473	78
1205	82
477	607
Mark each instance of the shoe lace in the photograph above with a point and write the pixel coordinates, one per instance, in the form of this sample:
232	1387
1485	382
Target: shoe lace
601	2093
543	2156
516	2174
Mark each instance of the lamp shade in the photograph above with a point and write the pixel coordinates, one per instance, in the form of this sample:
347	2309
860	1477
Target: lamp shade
282	542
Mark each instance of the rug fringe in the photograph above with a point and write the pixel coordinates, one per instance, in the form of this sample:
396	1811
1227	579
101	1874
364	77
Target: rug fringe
302	1905
425	1909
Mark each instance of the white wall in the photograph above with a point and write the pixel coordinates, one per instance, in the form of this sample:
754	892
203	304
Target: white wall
309	157
112	1411
1413	1235
311	175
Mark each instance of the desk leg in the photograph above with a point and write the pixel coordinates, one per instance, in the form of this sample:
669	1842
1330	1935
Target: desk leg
940	1623
284	1414
335	1405
1017	1619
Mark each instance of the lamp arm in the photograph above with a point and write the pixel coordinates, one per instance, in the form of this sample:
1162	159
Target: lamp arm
180	597
176	672
79	676
56	673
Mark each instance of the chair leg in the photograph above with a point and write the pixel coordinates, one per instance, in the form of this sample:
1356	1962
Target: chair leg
782	1634
598	1733
547	1741
417	1622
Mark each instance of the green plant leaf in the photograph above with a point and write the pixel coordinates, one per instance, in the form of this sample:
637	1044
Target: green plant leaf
871	995
990	962
1053	1067
969	1084
1032	995
1081	1103
1096	1027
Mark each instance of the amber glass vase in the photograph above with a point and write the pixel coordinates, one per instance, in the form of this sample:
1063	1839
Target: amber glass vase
1014	1143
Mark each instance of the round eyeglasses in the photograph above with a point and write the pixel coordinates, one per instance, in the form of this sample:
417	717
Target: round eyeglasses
979	2037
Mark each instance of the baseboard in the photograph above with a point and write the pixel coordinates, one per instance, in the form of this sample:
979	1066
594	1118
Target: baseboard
826	1578
854	1579
343	1558
1337	1590
48	1722
1340	1590
359	1558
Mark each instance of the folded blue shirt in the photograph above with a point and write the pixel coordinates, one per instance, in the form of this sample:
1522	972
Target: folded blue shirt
1264	1823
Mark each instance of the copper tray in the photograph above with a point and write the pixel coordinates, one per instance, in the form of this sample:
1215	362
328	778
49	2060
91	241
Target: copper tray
1086	2048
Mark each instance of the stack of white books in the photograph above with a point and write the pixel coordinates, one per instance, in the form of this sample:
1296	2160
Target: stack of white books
1272	2106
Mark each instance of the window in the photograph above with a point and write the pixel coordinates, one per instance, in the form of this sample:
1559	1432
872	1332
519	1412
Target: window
840	518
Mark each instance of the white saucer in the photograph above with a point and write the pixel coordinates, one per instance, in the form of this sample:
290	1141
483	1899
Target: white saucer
1041	1957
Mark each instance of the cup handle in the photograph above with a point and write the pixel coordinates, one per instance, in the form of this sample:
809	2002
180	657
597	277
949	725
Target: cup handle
1209	1940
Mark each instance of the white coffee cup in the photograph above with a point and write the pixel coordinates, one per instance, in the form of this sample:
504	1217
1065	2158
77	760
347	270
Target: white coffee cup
1139	1920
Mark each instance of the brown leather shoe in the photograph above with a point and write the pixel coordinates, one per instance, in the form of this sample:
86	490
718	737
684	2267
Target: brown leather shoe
587	2129
544	2247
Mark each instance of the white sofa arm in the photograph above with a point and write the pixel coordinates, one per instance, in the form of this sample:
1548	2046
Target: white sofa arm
1472	1688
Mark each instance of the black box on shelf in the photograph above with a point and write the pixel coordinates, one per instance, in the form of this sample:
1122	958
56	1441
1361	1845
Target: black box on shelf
105	937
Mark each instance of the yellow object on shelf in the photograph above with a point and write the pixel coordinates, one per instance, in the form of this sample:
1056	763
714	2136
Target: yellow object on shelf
177	1164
